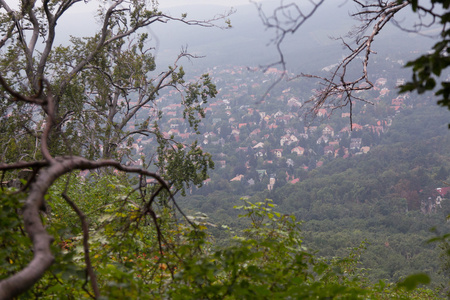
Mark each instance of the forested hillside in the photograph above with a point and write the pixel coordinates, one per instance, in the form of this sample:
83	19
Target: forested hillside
386	198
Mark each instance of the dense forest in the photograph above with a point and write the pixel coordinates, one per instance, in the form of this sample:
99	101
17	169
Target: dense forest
385	198
128	175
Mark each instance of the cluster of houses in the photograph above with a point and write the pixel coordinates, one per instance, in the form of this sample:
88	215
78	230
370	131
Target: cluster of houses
432	203
237	117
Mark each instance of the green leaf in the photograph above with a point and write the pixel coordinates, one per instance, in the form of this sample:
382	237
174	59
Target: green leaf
413	281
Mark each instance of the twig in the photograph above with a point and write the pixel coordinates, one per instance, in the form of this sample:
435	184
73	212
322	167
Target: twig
85	227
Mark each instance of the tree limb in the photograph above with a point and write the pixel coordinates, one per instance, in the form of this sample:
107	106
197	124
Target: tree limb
43	258
85	227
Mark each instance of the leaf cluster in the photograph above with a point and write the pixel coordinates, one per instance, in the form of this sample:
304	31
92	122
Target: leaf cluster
428	69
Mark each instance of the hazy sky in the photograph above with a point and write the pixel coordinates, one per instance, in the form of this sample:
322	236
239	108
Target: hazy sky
229	3
70	24
174	3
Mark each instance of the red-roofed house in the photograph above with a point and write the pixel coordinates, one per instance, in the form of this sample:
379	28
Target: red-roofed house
294	181
328	130
299	150
322	112
278	152
443	191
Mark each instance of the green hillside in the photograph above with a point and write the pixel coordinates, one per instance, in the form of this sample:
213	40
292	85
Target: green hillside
381	197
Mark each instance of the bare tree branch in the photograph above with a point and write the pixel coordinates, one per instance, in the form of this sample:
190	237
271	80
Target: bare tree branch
24	165
85	228
341	87
337	90
286	19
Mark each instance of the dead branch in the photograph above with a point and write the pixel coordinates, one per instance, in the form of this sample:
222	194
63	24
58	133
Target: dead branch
338	90
286	19
85	227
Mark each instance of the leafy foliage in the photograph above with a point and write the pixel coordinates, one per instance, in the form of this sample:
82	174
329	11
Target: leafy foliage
266	260
428	69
